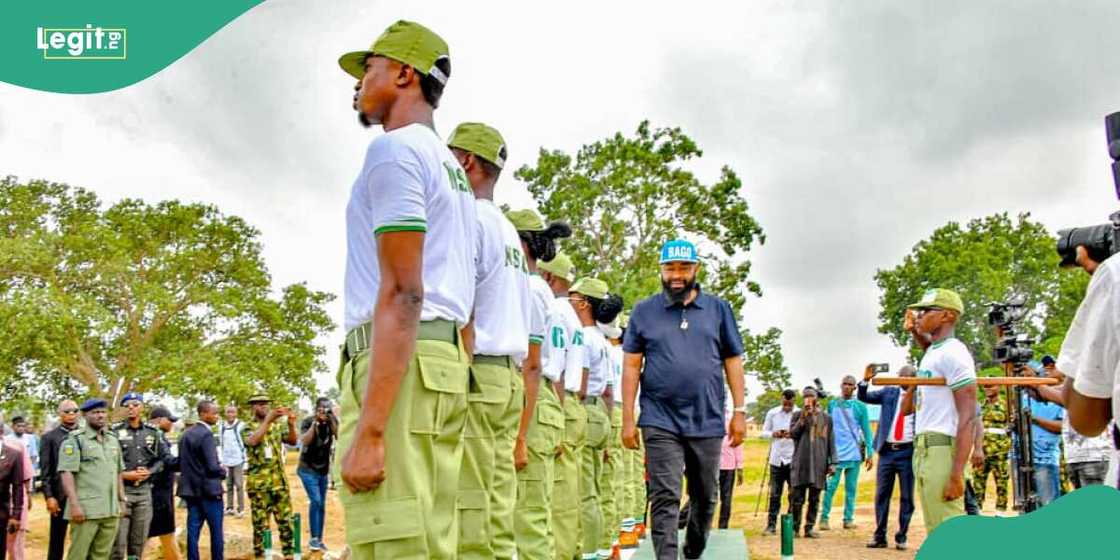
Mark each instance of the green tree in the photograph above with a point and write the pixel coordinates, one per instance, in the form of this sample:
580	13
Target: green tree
170	298
989	259
625	195
762	358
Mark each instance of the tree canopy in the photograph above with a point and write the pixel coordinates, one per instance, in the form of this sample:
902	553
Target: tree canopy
987	260
170	298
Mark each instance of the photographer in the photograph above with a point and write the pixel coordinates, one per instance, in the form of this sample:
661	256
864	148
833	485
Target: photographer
317	435
814	459
269	495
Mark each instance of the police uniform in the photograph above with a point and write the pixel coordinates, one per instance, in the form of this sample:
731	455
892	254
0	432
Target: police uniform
140	447
566	352
94	459
535	483
503	330
997	446
266	484
597	363
410	182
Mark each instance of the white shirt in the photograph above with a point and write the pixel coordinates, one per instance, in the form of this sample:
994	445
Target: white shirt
410	181
568	331
232	448
907	425
1081	449
502	302
936	409
1091	350
615	355
540	313
781	449
596	360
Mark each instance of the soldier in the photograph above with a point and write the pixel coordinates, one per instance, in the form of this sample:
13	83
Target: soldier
506	335
90	467
997	446
265	482
536	539
144	452
409	292
566	361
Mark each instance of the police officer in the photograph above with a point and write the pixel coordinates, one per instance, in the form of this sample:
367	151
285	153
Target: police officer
505	336
90	467
566	354
536	539
409	290
269	495
997	446
144	452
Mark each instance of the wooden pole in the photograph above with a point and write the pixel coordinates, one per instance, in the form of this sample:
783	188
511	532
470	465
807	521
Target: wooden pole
982	381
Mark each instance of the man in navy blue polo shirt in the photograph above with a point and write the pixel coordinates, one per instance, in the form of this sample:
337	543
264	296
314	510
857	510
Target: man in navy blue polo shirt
682	345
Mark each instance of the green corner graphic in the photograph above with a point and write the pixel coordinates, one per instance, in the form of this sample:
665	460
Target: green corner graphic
102	45
1078	525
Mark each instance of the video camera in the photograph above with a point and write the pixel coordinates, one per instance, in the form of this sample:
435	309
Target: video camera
1014	347
1103	240
821	393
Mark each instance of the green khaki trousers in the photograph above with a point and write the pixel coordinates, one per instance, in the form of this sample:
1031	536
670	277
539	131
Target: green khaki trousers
933	464
634	485
93	539
487	477
591	470
611	482
414	513
566	520
535	483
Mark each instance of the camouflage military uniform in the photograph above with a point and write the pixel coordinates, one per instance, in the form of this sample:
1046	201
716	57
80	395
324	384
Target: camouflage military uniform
996	449
267	486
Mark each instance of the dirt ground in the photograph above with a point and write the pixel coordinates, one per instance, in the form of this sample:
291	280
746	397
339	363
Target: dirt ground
838	544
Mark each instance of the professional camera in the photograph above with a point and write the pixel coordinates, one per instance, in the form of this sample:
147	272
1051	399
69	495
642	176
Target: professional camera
1103	240
821	393
1013	347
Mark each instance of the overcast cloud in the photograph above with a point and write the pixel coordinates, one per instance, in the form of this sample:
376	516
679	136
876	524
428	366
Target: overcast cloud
857	127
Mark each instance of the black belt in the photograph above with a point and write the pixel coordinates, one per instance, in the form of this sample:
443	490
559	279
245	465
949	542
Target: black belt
590	400
898	446
441	330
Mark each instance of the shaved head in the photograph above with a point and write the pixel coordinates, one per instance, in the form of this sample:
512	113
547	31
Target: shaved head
66	405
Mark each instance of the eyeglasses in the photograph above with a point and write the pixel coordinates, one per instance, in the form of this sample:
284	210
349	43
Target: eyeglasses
918	313
69	411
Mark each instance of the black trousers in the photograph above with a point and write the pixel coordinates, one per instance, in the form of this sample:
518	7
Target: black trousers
57	542
797	501
670	456
726	489
779	479
895	463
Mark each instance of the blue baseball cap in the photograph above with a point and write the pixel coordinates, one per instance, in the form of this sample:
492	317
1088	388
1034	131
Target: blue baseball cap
678	250
131	396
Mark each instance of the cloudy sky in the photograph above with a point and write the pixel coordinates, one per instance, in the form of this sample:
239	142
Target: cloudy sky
857	127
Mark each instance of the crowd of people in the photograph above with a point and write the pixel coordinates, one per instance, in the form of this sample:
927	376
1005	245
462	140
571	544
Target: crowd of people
938	442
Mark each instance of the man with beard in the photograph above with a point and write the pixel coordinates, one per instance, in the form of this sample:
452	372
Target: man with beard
681	345
409	290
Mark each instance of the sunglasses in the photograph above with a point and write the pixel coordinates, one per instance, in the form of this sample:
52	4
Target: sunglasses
69	411
918	313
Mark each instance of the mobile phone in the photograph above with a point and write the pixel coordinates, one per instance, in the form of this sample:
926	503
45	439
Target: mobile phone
880	368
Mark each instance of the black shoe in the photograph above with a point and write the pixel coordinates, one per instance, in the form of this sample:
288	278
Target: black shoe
901	546
796	533
770	530
877	544
812	534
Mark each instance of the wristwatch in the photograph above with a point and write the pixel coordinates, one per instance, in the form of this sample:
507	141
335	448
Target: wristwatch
742	409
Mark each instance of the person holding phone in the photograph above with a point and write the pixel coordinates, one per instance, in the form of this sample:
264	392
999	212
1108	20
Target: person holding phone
814	459
269	495
894	442
318	434
776	429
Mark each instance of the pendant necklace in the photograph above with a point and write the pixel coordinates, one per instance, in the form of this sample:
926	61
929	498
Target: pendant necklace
684	320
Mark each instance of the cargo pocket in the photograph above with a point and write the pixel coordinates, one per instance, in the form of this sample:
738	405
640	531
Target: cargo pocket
531	495
441	394
597	429
474	521
494	384
370	519
550	426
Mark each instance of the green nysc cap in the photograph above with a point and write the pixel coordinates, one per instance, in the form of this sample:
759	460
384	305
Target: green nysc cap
481	140
560	265
406	42
939	298
591	287
525	220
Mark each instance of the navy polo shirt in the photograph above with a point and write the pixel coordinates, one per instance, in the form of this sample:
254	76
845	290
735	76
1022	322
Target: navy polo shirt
682	374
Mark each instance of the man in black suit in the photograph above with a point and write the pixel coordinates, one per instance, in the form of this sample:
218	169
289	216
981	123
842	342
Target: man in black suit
894	442
200	481
52	486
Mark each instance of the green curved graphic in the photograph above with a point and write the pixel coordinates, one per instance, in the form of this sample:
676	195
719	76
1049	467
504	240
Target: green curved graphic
1082	524
102	45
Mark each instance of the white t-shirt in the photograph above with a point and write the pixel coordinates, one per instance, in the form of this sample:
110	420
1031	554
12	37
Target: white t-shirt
1091	350
936	409
596	360
410	181
615	355
540	315
502	302
565	344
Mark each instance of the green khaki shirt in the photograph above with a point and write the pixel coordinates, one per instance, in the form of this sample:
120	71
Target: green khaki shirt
97	466
265	468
